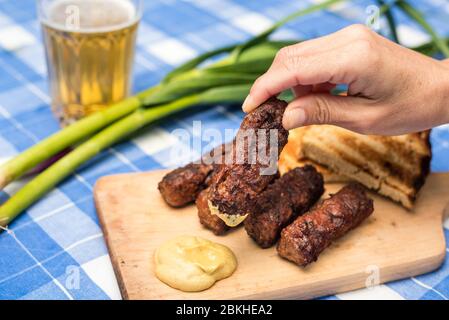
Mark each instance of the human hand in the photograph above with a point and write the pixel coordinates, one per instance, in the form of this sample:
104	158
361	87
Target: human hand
392	90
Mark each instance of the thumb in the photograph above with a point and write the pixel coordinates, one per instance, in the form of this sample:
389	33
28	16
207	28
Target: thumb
354	113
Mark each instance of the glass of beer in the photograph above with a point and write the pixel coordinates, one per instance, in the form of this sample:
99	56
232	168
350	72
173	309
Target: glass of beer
90	50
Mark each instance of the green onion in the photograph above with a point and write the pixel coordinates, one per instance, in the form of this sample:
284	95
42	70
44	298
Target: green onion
264	35
390	19
418	17
73	134
199	82
251	60
196	61
429	49
47	148
48	179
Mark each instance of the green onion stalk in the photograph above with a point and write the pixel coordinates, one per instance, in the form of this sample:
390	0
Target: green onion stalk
16	167
414	14
226	81
429	48
390	19
48	179
244	64
174	86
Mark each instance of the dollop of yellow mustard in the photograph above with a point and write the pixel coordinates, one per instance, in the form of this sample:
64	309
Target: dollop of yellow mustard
191	263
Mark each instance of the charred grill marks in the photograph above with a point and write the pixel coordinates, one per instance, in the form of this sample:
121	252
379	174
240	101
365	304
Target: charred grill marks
302	241
289	196
181	186
238	184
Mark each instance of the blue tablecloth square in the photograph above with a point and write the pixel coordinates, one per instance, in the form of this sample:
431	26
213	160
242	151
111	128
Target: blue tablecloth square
75	282
65	235
12	252
88	249
49	291
24	282
20	12
38	242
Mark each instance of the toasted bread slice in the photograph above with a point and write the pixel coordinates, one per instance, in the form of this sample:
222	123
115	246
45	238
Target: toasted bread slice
293	157
395	167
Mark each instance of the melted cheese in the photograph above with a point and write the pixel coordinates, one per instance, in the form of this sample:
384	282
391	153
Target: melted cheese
231	220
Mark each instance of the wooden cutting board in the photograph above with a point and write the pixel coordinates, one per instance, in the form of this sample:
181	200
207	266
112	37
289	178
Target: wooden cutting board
393	244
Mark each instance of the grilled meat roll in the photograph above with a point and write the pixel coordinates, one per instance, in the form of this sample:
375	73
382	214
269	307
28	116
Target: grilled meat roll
181	186
289	196
241	180
302	241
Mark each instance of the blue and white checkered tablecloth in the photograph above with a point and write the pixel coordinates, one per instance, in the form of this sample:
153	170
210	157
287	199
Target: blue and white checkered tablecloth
56	250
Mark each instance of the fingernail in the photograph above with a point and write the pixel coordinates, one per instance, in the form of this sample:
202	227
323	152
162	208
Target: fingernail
294	118
248	104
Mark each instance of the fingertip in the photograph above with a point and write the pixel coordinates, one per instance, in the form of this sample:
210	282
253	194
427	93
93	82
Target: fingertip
248	104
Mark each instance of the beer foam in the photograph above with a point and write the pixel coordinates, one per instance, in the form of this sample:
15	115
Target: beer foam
91	15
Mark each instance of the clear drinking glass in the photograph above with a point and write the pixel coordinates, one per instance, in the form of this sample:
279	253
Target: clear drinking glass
90	51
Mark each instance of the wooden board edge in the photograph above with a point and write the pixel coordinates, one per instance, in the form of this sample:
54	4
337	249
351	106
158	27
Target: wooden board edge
114	258
347	283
